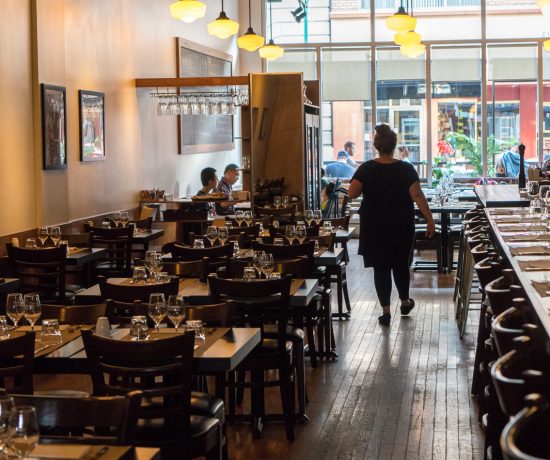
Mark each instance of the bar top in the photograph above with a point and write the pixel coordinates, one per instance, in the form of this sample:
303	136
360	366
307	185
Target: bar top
497	196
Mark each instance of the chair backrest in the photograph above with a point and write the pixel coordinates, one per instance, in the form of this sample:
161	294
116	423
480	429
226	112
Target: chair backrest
298	268
525	437
131	292
62	419
16	374
118	242
214	315
146	222
286	251
39	270
288	212
506	327
255	303
81	240
160	369
73	314
215	254
121	313
325	241
338	222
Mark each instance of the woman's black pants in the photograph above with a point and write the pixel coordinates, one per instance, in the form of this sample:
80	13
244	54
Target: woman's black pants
401	277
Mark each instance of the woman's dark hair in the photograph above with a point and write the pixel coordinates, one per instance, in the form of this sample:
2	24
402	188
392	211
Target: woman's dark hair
385	139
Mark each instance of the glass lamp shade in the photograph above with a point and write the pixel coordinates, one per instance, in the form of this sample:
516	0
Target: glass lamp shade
223	27
250	41
271	51
407	38
413	51
187	10
401	21
546	44
543	3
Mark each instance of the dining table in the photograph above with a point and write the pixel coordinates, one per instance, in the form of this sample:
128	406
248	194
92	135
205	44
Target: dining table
94	452
500	196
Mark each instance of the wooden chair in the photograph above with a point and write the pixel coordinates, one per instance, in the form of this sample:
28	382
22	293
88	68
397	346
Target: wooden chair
218	255
131	292
120	312
118	242
214	315
16	376
525	437
192	269
110	420
73	314
258	304
340	223
284	213
146	212
162	371
41	271
287	251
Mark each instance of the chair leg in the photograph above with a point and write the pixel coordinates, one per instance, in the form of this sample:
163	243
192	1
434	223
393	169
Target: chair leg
258	402
287	390
300	377
345	290
311	342
241	377
231	395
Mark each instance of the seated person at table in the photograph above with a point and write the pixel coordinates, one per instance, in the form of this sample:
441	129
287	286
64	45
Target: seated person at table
340	168
326	193
209	181
225	185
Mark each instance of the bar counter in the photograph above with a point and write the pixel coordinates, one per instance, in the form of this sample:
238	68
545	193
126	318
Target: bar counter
498	196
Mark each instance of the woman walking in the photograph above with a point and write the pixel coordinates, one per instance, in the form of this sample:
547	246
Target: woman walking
390	187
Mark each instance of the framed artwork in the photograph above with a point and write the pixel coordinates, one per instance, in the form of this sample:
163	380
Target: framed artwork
54	127
203	133
92	125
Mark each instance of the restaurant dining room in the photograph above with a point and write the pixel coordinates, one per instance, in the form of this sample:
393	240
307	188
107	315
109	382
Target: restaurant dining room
275	229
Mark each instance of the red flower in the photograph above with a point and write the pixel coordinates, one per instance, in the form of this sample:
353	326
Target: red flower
445	148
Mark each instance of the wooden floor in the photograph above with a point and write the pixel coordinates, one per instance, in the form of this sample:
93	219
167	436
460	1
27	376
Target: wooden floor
395	393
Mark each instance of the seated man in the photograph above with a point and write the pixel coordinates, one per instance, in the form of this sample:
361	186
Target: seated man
225	185
340	168
209	181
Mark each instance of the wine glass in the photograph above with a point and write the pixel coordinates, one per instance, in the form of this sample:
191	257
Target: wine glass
151	262
43	234
223	235
175	311
290	233
327	228
267	265
249	274
300	233
277	201
116	218
212	234
15	306
309	217
317	216
55	234
284	200
257	261
23	430
33	309
124	219
239	217
157	308
6	406
248	218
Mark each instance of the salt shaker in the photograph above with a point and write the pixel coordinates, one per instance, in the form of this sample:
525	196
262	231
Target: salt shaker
102	327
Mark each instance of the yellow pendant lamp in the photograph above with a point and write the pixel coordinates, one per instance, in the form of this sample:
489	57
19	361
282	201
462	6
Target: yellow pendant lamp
407	38
543	3
546	45
401	21
187	10
250	41
413	50
271	51
223	27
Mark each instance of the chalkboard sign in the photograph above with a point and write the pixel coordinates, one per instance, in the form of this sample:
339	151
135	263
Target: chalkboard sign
204	133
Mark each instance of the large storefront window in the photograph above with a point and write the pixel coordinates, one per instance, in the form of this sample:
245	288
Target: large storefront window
401	102
516	19
295	60
455	107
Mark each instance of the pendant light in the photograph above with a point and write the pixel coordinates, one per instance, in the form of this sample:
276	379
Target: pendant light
187	10
271	51
250	41
413	50
401	21
546	45
407	38
543	3
223	27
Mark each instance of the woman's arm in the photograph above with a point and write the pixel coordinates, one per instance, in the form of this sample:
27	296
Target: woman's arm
355	189
418	197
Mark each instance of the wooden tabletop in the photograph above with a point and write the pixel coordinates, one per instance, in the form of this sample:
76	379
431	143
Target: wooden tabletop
85	256
343	235
90	451
540	304
223	350
497	196
149	235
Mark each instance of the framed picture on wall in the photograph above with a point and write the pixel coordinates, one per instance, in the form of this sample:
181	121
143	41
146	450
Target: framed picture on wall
201	133
54	127
92	125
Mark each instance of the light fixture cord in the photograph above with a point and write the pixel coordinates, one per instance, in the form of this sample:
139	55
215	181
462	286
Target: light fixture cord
222	6
249	14
270	21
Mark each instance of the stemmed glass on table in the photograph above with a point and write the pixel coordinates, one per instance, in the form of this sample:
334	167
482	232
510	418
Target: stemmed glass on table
239	217
212	234
267	265
544	197
43	235
284	200
55	235
116	218
153	262
175	311
23	430
124	219
300	233
15	307
532	193
290	233
248	218
157	308
223	235
277	201
257	261
309	216
317	216
6	406
33	308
